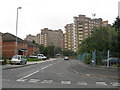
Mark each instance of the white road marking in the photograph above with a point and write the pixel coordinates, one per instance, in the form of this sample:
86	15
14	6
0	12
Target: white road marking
34	80
21	80
47	81
28	75
115	84
46	66
82	83
101	83
65	82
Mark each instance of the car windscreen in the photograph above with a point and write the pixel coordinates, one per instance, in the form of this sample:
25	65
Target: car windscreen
16	57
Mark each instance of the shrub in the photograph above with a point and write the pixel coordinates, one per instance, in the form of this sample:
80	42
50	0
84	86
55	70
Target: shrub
33	59
7	61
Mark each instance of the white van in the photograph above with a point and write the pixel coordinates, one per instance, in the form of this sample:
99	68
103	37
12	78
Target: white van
41	56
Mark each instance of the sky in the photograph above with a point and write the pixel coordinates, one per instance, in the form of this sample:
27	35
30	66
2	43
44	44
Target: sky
53	14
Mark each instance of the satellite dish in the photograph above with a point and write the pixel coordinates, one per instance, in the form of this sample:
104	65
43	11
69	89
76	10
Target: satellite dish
94	14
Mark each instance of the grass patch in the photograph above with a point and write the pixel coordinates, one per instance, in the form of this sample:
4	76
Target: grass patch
33	59
7	61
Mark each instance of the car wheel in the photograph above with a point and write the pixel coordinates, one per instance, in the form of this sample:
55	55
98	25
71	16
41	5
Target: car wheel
11	63
26	62
21	63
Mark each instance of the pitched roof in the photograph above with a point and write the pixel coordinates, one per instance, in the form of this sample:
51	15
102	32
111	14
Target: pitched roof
10	37
0	33
30	43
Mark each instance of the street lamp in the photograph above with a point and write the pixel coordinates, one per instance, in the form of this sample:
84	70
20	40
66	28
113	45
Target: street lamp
16	30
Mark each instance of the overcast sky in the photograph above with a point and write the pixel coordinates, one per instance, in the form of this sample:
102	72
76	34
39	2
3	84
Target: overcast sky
53	14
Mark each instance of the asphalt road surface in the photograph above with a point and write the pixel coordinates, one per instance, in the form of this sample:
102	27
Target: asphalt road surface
54	74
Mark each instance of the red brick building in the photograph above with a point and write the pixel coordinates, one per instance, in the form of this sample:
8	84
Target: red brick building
31	48
22	48
0	45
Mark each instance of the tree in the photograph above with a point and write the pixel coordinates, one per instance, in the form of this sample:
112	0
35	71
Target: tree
41	48
51	51
98	40
58	50
101	40
116	44
33	41
67	52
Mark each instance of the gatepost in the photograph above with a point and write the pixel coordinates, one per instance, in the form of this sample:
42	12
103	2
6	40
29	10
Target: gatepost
93	58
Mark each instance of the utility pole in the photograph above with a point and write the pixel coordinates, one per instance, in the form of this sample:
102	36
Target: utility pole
16	31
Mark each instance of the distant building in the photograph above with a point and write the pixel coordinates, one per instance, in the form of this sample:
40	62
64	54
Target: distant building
105	23
80	29
0	45
32	38
38	39
69	37
52	37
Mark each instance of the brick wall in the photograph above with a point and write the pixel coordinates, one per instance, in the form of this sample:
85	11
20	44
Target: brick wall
8	49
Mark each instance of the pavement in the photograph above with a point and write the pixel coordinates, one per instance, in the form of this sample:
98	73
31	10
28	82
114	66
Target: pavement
99	71
8	66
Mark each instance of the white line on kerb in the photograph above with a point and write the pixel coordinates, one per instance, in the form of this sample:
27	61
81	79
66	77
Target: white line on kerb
46	66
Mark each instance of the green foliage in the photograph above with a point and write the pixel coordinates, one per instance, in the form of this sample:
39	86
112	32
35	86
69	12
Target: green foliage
67	52
101	40
33	59
41	48
49	51
7	61
88	59
116	43
34	42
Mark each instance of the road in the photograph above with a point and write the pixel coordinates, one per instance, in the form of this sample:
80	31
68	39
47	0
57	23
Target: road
54	74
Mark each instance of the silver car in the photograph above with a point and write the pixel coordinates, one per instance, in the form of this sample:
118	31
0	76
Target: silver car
18	59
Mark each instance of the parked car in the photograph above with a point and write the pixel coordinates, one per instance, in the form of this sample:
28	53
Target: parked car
66	58
18	59
38	56
41	56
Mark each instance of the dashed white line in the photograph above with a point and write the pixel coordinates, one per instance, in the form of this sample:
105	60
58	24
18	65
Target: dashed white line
34	80
82	83
101	83
21	80
47	81
65	82
116	84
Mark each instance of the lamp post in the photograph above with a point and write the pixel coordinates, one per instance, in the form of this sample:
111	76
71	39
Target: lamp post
16	30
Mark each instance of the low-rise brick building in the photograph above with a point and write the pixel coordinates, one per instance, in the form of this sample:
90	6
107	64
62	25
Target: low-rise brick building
0	45
32	48
10	47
